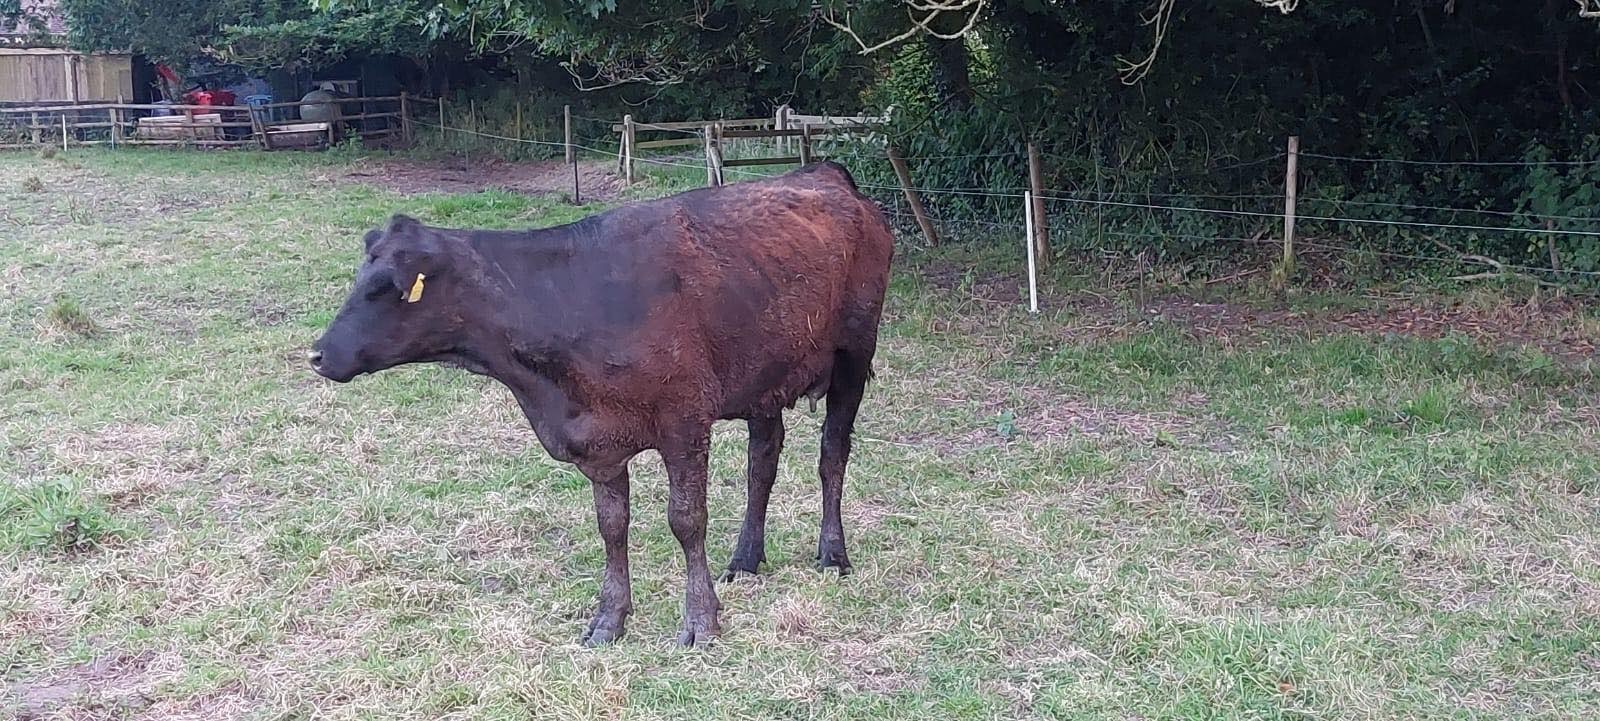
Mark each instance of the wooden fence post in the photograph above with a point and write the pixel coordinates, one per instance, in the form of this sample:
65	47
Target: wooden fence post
1291	183
711	168
566	125
627	149
805	144
63	131
441	116
36	132
912	199
406	133
572	154
783	124
1041	227
113	113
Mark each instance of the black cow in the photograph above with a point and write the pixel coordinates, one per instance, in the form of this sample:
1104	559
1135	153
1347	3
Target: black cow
637	329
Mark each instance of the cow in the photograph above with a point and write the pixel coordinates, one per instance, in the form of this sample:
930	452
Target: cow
636	329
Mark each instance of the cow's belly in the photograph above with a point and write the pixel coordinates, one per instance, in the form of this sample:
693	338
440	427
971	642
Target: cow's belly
767	385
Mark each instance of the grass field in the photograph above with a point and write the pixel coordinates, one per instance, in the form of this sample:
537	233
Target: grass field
1109	511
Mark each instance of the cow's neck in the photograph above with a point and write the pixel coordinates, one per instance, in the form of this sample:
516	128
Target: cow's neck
536	377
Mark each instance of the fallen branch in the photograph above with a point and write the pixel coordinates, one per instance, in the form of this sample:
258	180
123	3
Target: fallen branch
1500	272
1234	276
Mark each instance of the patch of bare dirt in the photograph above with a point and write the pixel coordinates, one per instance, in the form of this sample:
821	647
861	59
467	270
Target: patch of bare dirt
115	686
409	176
1560	326
1554	327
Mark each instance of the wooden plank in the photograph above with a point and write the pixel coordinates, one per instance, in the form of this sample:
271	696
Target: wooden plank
697	124
761	133
745	162
648	144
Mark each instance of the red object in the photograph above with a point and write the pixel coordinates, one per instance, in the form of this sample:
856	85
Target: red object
209	97
167	74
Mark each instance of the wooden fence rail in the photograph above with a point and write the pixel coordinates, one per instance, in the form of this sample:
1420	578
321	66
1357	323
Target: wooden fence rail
120	123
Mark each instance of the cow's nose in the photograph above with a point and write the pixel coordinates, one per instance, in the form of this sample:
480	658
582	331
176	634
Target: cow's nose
315	357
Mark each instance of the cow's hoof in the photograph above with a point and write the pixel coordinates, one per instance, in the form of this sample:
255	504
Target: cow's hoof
739	567
833	558
698	634
602	632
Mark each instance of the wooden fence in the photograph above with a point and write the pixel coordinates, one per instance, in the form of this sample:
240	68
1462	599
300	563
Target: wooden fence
793	136
119	123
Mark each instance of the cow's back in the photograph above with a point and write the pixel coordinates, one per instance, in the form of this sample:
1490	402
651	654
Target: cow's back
772	279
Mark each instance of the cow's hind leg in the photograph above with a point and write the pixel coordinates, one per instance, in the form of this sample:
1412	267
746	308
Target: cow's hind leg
766	443
610	485
850	372
686	514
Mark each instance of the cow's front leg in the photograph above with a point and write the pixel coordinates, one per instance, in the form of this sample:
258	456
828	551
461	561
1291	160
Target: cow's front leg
686	513
610	486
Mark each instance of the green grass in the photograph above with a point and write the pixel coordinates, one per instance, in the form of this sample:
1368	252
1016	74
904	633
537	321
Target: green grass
1086	514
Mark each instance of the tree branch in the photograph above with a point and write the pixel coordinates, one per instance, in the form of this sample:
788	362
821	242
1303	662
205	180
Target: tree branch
931	9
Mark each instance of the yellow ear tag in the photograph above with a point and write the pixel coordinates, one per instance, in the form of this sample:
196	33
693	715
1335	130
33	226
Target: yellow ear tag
416	290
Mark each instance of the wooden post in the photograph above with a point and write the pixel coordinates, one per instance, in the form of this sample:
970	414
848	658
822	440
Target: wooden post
711	170
1291	183
627	149
259	127
71	70
716	152
1041	227
783	124
34	129
63	131
912	199
441	116
566	123
406	131
805	144
114	123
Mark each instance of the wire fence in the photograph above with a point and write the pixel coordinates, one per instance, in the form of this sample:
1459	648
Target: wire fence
1009	216
1174	204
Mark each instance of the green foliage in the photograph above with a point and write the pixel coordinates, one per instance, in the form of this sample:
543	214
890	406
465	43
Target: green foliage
1558	197
308	43
170	32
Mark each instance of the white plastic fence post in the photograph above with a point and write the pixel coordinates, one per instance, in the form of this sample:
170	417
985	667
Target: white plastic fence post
1028	247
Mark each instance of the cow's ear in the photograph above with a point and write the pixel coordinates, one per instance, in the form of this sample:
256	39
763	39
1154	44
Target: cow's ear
404	225
413	268
416	253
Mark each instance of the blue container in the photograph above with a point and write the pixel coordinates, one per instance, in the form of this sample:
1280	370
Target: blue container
255	102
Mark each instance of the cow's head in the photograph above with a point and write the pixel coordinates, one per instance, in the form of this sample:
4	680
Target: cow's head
406	306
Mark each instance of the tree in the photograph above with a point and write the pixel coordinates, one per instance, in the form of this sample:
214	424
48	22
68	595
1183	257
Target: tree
169	32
